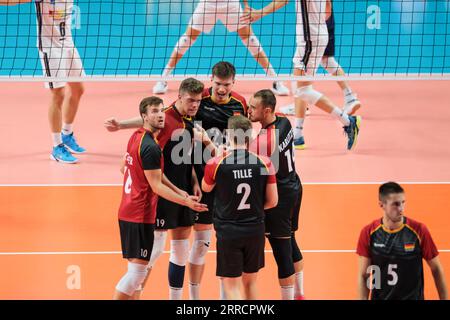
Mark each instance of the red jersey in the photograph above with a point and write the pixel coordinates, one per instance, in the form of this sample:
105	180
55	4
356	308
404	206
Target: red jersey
138	199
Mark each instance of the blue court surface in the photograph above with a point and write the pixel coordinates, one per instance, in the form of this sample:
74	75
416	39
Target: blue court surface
136	37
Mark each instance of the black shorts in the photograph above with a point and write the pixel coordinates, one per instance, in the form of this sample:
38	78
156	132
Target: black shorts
206	217
282	220
235	256
330	50
170	215
136	239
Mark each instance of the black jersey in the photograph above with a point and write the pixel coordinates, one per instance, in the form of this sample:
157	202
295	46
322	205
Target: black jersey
215	115
176	142
397	256
276	141
240	179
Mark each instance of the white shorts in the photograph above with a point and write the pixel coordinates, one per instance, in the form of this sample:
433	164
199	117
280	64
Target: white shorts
208	12
310	45
61	63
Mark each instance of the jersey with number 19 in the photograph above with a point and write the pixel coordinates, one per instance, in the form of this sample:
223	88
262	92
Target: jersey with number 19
138	199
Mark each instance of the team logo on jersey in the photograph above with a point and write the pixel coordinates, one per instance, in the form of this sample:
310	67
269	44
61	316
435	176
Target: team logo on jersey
409	247
57	14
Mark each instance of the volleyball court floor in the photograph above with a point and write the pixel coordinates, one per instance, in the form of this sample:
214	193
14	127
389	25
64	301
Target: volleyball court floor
59	237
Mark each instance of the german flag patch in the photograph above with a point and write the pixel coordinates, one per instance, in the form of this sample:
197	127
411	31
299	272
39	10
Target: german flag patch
409	247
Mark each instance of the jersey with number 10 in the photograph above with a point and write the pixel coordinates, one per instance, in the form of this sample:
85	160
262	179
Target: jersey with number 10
138	199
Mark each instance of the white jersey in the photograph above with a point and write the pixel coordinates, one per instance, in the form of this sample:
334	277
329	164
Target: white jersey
311	13
54	21
311	35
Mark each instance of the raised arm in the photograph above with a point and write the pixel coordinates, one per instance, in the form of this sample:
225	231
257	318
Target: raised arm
112	124
251	15
12	2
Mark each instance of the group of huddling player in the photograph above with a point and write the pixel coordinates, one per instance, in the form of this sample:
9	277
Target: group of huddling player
234	186
248	190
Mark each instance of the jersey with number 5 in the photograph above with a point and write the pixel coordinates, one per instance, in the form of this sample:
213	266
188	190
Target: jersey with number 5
54	21
240	177
396	258
138	199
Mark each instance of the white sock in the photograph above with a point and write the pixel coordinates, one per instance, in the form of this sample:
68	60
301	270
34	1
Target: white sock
298	130
56	138
299	284
287	292
341	115
175	293
194	291
67	128
223	296
271	71
167	71
348	91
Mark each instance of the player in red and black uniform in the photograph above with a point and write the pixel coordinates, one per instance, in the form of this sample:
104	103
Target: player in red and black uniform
275	140
219	103
143	182
245	186
176	141
391	249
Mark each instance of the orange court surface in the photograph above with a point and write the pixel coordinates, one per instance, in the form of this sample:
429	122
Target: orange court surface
59	222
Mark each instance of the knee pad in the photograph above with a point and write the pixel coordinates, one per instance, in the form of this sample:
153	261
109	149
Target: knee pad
159	243
200	247
308	94
133	279
183	44
296	253
330	64
253	45
282	251
179	252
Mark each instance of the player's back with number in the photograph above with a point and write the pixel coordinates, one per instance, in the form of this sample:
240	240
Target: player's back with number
138	199
241	178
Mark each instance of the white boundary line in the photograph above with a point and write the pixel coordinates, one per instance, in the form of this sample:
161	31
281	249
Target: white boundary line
256	77
303	183
55	253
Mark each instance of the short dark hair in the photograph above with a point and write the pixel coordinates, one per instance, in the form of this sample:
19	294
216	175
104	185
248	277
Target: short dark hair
239	126
224	70
149	101
267	98
191	86
389	188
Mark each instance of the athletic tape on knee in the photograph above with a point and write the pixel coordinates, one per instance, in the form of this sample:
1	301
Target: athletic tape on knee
133	279
179	252
330	64
159	243
308	94
200	247
282	252
253	45
183	44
